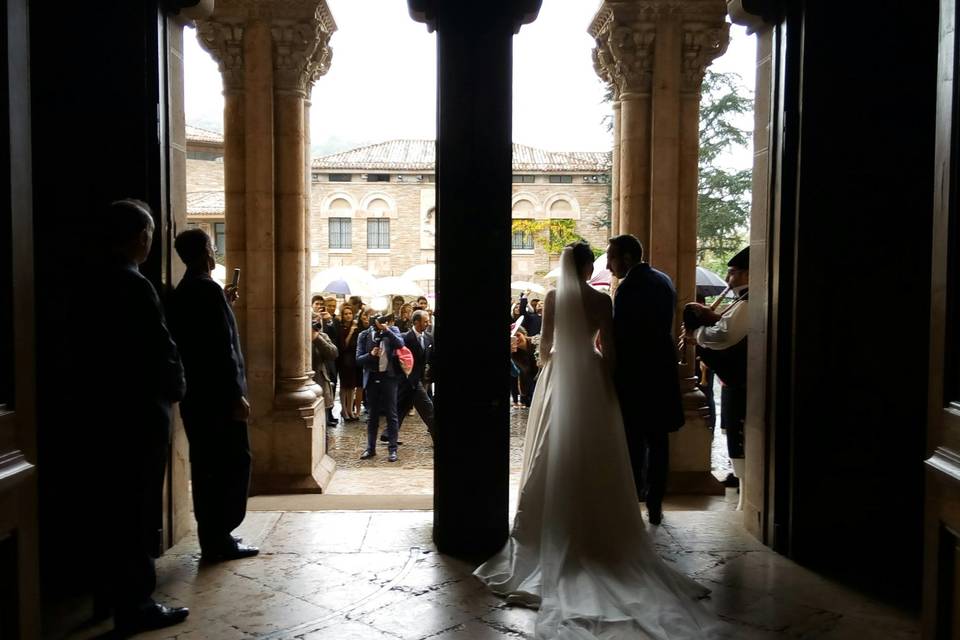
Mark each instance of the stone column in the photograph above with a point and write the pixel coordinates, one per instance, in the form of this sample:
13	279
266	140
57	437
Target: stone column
270	53
259	287
655	53
294	387
615	171
472	447
224	40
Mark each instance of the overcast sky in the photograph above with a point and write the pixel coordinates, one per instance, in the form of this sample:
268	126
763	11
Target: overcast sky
382	81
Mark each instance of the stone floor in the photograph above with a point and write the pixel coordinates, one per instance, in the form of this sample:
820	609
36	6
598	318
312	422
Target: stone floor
377	576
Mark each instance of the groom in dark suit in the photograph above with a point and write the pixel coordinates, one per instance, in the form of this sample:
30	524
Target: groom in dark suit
646	375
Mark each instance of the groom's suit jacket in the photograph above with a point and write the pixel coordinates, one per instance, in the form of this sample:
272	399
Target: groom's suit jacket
646	375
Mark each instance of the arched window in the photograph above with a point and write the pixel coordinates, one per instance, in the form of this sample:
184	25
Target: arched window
340	204
523	209
378	206
561	209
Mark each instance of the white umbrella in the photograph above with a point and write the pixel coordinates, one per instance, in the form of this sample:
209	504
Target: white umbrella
396	286
359	281
421	272
523	285
600	271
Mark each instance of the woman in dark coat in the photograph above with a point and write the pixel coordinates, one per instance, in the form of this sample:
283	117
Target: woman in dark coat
347	362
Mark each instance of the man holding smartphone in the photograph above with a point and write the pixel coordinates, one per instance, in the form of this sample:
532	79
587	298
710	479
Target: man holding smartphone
381	377
215	407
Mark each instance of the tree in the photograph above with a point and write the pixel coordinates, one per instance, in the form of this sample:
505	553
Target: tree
558	232
724	194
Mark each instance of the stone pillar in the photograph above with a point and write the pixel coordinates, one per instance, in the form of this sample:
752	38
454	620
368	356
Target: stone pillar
259	288
655	53
472	448
615	171
270	54
225	41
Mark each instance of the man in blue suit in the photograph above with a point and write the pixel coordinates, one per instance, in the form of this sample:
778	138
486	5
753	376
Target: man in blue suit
376	349
646	375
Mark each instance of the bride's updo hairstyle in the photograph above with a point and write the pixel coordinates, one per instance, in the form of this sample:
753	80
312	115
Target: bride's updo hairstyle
582	254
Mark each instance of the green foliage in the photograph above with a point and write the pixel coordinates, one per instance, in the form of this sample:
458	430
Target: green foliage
724	194
556	233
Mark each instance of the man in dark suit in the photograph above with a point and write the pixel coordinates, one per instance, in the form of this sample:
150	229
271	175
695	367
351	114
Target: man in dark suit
136	370
215	408
376	348
532	321
412	393
646	375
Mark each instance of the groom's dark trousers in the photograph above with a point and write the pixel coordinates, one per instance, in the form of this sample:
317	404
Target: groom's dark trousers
646	375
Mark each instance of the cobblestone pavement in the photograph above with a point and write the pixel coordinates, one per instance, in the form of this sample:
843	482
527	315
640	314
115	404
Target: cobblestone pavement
347	441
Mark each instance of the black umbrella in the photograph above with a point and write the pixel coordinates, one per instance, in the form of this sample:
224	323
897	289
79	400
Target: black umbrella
709	283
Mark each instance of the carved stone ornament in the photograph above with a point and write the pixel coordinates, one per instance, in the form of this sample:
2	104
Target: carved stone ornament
224	41
625	31
623	57
701	45
301	54
301	31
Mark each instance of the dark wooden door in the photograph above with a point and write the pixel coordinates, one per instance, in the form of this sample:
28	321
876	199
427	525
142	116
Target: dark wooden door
942	516
19	600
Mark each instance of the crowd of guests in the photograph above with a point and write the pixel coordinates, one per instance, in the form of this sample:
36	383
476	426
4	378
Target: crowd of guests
380	361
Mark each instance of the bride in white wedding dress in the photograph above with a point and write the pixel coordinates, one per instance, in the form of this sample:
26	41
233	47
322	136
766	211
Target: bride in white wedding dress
578	549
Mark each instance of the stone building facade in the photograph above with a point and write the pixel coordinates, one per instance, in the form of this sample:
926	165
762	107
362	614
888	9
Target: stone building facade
205	202
373	206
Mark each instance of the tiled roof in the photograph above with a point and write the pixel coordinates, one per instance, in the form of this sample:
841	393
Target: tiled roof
420	155
201	203
204	187
204	175
203	136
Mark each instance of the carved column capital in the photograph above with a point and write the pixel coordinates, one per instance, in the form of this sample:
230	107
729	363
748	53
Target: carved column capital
301	53
702	44
224	41
300	31
623	56
625	32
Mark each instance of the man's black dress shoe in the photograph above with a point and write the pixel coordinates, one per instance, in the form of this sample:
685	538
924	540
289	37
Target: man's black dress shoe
236	553
655	515
384	438
367	453
154	616
392	457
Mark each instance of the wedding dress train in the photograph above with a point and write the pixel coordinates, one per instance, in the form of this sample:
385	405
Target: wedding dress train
578	550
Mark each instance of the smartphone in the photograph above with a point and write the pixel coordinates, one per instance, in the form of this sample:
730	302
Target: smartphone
236	278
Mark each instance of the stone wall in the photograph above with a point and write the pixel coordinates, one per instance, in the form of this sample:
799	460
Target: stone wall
409	206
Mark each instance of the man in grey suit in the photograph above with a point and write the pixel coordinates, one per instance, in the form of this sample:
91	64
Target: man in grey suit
646	375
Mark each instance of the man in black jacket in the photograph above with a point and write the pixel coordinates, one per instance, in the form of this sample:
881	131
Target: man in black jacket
412	393
646	375
135	376
215	408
